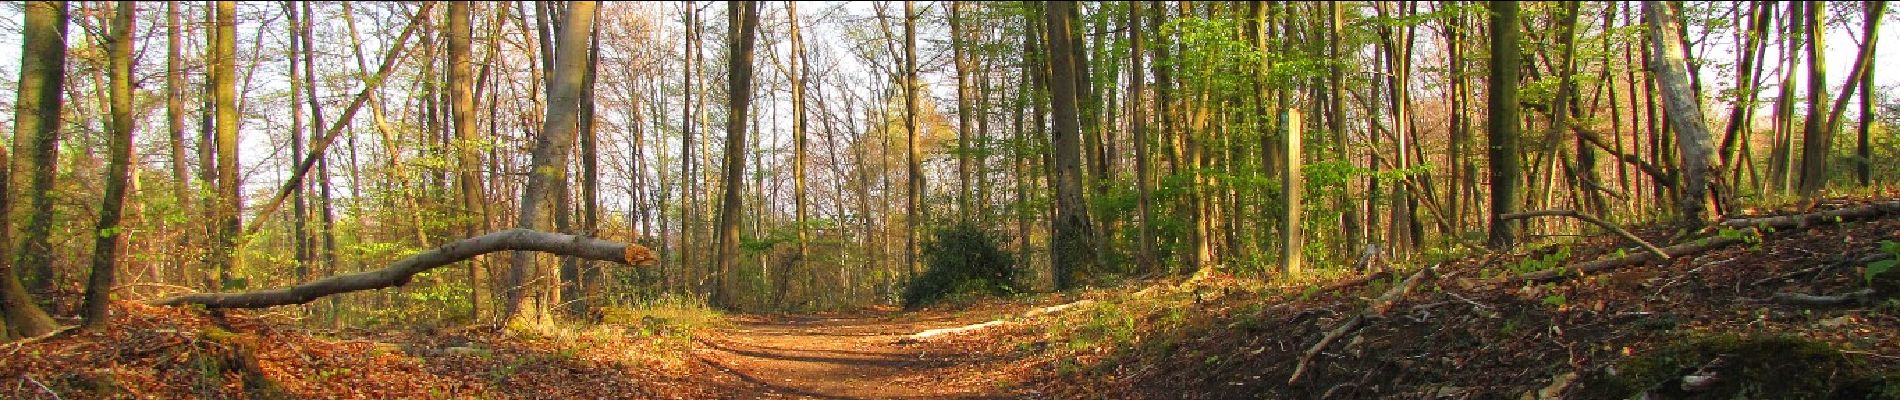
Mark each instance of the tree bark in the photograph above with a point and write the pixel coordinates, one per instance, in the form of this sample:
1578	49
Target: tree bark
1137	125
1684	110
36	117
1816	138
914	170
1073	243
745	23
1503	121
548	171
399	273
118	171
182	188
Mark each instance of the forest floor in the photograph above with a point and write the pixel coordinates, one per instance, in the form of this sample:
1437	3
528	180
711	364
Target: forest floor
849	356
1714	324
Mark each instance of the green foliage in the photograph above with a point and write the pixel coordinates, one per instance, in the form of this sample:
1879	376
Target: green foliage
1547	261
668	315
1879	273
962	259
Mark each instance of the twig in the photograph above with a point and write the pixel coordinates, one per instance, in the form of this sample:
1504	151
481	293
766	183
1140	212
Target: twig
1376	309
1870	354
36	382
1606	225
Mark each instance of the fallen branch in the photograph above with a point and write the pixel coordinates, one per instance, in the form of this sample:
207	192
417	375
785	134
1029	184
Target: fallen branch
1606	225
1803	299
919	336
400	272
1377	309
1746	226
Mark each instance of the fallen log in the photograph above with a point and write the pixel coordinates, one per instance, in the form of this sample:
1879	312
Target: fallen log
1375	310
925	335
1745	226
399	273
1606	225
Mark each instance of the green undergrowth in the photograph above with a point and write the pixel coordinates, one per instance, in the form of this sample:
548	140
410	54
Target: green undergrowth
665	316
1749	367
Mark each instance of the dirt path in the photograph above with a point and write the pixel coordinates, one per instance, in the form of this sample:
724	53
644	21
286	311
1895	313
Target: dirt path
852	357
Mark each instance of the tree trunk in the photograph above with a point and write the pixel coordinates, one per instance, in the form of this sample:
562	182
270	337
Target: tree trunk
1072	246
400	272
1816	138
1863	154
1137	125
224	96
548	170
468	165
1503	121
799	78
1292	241
744	29
1684	110
118	170
35	141
182	188
914	171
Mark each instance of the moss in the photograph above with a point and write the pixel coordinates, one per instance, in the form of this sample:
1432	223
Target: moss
1757	367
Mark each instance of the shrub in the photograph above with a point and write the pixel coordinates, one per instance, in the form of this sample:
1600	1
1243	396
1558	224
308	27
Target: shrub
960	260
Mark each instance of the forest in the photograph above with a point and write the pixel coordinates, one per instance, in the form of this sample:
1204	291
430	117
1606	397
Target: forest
949	199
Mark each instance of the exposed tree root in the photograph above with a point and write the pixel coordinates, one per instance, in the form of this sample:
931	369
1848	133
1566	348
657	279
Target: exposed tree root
398	274
1376	310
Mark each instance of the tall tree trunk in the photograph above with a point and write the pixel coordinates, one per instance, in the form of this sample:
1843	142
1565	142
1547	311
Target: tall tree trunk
799	78
468	164
1137	125
688	191
1816	138
1503	121
224	95
1684	109
578	276
36	116
914	171
548	170
300	212
1863	154
1349	210
1073	243
744	29
963	64
328	218
175	127
118	170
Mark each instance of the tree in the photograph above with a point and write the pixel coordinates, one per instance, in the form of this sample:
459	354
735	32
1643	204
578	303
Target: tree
914	169
1684	113
224	99
36	117
1502	127
118	170
964	64
798	76
1137	124
175	125
744	29
1072	249
548	169
1816	137
1863	154
462	116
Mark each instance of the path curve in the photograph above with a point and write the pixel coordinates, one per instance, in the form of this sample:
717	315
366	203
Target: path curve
846	357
